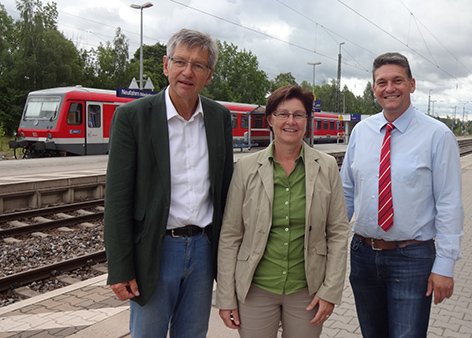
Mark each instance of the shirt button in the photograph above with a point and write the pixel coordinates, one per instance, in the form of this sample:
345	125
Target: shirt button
285	243
287	189
286	217
284	272
286	202
286	229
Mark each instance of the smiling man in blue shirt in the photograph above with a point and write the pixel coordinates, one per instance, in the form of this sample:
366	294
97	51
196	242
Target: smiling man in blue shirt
396	272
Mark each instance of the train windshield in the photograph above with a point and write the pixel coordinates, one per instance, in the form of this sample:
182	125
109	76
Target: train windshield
42	107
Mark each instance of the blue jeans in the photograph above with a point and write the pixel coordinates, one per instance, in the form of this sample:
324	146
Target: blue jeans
390	289
182	300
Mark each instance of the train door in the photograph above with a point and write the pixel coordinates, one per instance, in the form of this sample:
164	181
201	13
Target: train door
94	136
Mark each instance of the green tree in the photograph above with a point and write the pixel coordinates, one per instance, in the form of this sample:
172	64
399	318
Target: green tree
88	63
152	65
306	85
10	111
283	79
368	104
112	62
237	77
326	93
33	35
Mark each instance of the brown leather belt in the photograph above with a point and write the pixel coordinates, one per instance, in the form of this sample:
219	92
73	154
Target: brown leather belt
380	244
186	231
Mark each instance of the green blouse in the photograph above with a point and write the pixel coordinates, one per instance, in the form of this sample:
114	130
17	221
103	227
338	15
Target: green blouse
282	267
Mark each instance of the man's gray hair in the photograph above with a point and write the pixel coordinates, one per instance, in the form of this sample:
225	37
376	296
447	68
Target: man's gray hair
191	39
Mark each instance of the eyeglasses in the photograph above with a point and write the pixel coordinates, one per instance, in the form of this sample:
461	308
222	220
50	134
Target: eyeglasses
196	67
284	115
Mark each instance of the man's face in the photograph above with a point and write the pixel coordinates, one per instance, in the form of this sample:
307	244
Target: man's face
186	80
392	89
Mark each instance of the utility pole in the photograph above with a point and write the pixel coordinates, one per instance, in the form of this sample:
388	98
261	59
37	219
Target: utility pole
429	102
338	82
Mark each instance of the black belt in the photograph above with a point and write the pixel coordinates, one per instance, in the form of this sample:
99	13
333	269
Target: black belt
380	244
186	231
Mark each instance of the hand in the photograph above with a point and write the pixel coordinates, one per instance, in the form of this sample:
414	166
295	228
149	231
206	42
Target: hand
230	318
126	290
325	309
442	286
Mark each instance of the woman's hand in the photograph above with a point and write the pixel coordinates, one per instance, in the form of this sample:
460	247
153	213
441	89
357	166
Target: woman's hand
325	309
230	318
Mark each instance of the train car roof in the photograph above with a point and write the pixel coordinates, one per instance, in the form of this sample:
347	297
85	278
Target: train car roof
64	90
243	107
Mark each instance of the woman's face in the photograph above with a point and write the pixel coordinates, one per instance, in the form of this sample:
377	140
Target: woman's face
289	122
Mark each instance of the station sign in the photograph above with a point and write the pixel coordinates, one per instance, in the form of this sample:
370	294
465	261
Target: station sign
317	106
355	116
134	93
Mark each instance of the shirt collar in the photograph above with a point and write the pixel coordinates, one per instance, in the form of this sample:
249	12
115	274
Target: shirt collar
300	156
172	112
401	123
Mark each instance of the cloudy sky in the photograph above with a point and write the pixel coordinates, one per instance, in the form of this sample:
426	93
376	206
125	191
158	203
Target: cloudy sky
435	35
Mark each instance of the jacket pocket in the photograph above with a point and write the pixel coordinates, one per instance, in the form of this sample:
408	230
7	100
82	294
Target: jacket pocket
320	248
139	224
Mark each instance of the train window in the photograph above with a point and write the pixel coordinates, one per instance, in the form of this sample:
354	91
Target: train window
244	121
94	120
325	124
234	120
318	124
42	107
74	115
257	121
331	125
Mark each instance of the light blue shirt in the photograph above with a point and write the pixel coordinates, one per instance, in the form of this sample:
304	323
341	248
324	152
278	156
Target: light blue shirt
426	183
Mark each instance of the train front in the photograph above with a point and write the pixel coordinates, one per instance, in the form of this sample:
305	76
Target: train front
38	126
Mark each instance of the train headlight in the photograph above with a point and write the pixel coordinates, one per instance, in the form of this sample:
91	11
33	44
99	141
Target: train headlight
22	134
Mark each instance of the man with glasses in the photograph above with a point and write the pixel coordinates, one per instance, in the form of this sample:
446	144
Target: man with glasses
169	169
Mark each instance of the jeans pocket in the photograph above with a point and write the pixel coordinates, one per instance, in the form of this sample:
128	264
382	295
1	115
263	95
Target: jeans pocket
356	243
425	250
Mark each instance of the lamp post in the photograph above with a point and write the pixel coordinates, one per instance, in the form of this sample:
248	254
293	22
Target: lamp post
314	64
338	83
141	7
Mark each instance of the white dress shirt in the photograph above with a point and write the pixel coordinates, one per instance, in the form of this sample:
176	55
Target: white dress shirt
189	169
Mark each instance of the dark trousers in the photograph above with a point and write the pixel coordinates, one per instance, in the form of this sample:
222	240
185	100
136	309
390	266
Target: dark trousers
390	289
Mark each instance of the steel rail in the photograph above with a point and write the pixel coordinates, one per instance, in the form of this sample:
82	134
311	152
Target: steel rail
43	272
49	210
53	224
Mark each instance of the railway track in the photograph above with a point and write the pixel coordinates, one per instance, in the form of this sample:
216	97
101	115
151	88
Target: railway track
465	146
45	223
28	259
43	272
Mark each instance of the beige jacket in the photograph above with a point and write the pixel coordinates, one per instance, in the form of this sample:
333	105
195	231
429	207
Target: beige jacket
247	221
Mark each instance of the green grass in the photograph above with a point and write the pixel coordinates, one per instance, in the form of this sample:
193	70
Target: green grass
5	151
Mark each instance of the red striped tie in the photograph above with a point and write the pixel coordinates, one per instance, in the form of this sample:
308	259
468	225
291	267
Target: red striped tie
385	183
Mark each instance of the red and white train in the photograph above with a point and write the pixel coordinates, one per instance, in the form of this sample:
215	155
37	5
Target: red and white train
76	121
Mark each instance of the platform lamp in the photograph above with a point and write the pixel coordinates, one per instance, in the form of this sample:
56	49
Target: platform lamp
314	64
141	7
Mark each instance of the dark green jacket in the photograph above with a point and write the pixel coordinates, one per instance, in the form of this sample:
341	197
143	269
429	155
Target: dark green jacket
137	197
